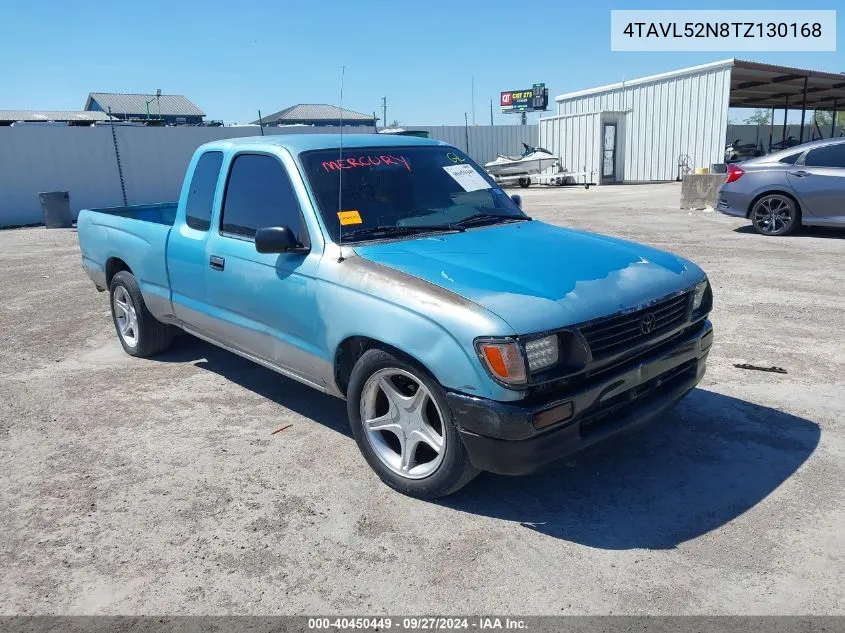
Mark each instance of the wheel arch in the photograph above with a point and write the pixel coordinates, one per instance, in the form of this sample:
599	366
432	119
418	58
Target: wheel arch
350	349
769	192
113	266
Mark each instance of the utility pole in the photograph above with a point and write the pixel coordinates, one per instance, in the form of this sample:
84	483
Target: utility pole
473	100
384	111
466	131
491	112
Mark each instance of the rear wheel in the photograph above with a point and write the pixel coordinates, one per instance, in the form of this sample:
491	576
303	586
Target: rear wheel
775	214
402	423
524	182
139	332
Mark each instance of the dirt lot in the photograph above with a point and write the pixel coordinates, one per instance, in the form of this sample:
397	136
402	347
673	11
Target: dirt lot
155	486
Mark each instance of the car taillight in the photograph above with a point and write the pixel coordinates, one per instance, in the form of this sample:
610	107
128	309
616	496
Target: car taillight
734	173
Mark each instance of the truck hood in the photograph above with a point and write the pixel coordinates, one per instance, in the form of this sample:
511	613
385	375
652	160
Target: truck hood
537	276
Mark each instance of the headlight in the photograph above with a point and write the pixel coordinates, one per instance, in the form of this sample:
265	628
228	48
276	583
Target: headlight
700	289
503	359
542	353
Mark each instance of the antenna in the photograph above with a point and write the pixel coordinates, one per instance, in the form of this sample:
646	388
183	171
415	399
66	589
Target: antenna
340	172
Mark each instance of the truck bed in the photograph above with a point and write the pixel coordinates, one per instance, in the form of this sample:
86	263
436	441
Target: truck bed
134	237
160	212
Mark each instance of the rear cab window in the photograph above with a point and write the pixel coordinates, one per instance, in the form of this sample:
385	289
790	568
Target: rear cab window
259	194
200	200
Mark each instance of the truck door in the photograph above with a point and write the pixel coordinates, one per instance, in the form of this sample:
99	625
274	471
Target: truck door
263	304
186	260
820	182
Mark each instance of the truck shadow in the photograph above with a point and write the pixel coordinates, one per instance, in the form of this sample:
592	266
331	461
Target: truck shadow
310	403
708	461
712	458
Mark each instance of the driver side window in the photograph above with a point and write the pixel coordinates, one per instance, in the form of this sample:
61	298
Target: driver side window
259	194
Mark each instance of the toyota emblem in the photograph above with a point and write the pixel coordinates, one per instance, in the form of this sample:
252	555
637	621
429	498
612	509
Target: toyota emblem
647	323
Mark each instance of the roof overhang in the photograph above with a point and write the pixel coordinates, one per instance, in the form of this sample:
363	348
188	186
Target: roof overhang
683	72
756	85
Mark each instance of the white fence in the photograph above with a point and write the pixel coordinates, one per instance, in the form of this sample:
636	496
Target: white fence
82	160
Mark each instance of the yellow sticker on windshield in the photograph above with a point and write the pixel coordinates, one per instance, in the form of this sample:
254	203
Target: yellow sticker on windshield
349	217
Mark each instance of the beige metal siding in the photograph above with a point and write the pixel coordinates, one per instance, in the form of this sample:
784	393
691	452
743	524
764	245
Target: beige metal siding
665	119
574	139
81	160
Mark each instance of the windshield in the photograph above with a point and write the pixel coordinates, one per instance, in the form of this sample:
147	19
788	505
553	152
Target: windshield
400	191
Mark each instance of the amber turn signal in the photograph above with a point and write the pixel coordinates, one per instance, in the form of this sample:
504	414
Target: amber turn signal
503	359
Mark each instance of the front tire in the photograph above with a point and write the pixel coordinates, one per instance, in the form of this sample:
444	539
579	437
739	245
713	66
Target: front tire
402	423
775	214
138	331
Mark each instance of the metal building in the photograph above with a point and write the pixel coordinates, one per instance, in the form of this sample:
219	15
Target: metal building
317	114
656	128
169	109
11	117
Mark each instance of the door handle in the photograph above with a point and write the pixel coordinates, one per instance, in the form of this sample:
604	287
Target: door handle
801	174
217	263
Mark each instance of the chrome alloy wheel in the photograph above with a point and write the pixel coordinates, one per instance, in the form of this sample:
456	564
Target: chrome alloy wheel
125	316
774	214
403	423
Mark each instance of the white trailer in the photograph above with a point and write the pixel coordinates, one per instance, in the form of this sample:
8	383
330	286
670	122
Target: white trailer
555	179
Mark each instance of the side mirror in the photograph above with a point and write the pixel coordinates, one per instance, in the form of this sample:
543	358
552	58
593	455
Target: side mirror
517	200
278	239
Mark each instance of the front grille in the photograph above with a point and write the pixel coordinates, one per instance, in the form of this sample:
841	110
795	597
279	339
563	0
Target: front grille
615	335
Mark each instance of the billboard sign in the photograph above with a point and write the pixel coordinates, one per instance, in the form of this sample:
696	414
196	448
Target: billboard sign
535	98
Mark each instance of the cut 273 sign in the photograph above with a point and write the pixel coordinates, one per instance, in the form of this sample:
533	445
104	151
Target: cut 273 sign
536	98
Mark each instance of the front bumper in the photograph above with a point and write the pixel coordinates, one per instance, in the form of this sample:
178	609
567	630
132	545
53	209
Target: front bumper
500	437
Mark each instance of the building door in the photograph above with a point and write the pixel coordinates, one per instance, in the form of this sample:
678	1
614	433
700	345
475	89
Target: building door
608	158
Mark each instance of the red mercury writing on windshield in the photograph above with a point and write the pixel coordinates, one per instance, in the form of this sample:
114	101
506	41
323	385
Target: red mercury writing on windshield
366	161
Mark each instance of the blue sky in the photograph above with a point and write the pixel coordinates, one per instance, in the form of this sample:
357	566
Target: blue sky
233	58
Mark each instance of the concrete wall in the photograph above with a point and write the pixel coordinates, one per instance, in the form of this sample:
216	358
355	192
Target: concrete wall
700	191
82	160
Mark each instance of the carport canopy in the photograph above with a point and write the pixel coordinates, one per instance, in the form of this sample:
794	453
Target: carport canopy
757	85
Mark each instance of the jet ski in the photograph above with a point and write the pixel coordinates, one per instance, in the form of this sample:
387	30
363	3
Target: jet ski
532	160
737	151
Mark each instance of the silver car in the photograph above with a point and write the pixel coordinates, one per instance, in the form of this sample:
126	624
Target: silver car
804	184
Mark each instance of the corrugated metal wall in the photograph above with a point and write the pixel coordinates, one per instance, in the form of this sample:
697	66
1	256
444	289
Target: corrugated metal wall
81	160
574	139
659	122
485	141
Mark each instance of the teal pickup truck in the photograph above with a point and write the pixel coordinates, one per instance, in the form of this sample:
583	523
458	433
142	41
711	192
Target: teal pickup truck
395	273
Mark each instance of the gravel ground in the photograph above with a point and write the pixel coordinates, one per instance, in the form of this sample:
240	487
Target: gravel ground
155	486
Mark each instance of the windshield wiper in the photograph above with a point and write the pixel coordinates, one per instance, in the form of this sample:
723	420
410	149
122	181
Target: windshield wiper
402	230
478	218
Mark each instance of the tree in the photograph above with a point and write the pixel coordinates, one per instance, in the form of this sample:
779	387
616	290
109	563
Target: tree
760	117
394	123
824	117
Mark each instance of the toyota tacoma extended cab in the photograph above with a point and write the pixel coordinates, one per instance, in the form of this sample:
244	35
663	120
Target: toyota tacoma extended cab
395	273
